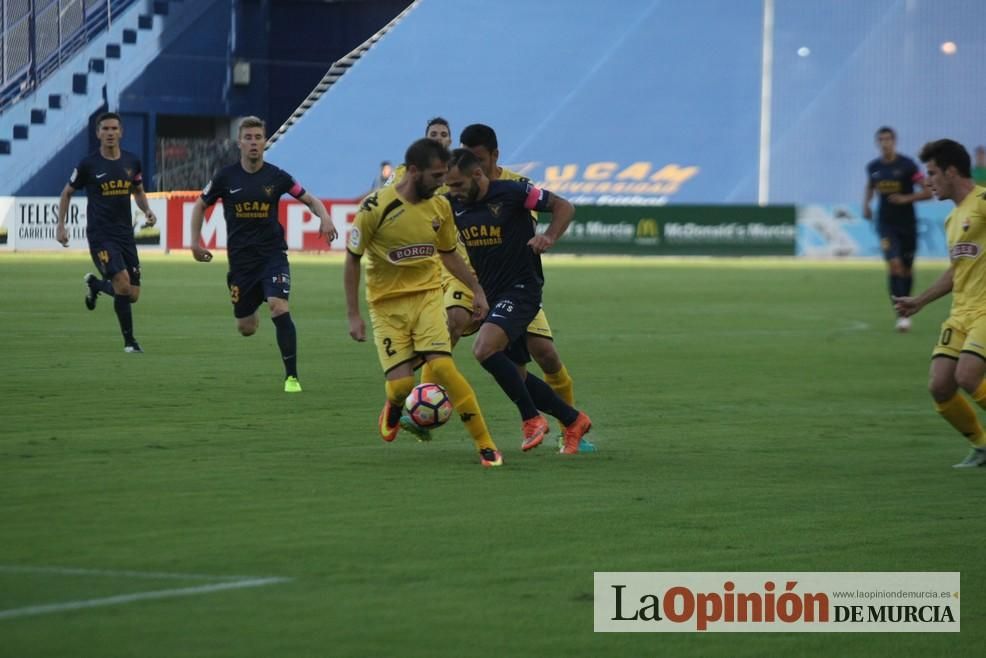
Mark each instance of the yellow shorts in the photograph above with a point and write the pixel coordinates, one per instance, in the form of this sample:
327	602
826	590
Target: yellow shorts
962	333
458	294
407	326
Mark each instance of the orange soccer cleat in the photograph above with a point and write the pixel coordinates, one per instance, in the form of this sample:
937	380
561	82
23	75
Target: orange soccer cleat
573	434
535	429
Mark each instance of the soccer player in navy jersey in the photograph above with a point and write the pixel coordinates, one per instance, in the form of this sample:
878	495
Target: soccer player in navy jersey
494	221
258	260
482	141
109	176
894	177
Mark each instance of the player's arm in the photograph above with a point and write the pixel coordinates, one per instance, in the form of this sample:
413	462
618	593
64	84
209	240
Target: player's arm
326	229
921	193
867	200
350	282
61	232
457	267
140	198
908	306
199	252
562	213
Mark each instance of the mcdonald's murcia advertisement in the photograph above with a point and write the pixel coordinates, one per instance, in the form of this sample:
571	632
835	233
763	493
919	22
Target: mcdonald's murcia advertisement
679	230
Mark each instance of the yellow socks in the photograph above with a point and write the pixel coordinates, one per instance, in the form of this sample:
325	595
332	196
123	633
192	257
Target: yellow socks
562	385
960	415
427	373
463	398
397	392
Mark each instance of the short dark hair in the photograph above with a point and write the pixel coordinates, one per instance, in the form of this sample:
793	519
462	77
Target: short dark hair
885	130
106	116
948	153
478	134
251	122
442	121
421	153
464	160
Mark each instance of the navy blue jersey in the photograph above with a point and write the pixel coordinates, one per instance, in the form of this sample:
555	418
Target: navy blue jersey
250	204
496	230
108	185
897	177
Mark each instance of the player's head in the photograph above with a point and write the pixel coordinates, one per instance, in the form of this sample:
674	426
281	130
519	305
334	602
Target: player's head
427	165
481	140
252	138
948	162
438	129
109	129
981	156
465	178
886	139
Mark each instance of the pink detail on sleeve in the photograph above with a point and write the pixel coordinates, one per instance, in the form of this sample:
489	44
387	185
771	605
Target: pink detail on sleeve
918	176
138	178
533	196
296	190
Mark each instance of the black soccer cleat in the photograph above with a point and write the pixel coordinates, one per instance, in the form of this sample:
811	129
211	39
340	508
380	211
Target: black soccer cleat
92	291
133	348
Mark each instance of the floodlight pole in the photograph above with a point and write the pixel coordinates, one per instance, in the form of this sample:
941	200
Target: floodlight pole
766	91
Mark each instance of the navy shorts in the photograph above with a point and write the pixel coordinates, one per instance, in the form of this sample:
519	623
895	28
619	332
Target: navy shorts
513	311
249	288
112	256
898	241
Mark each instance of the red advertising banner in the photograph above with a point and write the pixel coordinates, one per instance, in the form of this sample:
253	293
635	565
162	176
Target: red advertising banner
300	225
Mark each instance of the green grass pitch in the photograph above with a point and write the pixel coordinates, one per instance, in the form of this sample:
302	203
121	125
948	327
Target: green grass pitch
750	416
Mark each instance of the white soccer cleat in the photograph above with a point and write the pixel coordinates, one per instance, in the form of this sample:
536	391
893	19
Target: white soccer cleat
903	325
975	458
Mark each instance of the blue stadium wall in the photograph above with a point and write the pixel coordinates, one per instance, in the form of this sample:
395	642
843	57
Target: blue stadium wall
583	93
289	44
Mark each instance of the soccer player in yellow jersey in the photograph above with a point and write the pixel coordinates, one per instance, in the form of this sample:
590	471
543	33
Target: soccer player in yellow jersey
481	140
437	129
404	230
959	357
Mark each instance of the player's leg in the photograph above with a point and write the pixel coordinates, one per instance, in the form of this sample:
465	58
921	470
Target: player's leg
277	290
575	424
892	247
97	284
969	375
944	387
908	249
121	262
506	324
246	294
541	344
391	335
464	401
458	310
429	330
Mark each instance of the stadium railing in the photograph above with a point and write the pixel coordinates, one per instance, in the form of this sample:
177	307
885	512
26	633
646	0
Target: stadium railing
38	36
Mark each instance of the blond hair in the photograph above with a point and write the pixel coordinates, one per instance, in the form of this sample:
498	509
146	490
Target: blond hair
252	122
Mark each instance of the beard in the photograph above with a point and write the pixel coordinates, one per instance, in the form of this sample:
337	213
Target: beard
422	191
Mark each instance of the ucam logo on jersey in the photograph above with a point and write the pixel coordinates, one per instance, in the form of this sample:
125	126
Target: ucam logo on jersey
759	602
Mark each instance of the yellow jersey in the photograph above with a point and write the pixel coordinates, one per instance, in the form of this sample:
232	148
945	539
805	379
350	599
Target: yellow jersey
402	241
965	231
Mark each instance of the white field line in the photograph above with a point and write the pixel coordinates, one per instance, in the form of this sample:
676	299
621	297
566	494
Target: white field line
139	596
149	575
224	583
